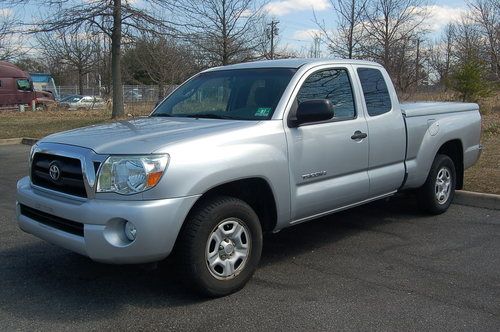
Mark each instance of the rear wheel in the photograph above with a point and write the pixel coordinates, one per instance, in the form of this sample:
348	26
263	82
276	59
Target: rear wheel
437	193
220	246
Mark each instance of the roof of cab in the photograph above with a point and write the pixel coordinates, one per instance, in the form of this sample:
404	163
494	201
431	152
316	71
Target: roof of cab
12	71
291	63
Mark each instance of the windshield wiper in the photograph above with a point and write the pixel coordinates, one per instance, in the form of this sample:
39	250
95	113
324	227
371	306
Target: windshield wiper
208	116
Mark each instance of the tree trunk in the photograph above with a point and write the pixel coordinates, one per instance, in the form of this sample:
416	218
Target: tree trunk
161	90
80	81
116	39
225	57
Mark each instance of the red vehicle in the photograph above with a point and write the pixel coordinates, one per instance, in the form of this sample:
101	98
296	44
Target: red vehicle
16	88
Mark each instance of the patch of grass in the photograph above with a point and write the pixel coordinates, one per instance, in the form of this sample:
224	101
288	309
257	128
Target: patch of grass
39	124
484	176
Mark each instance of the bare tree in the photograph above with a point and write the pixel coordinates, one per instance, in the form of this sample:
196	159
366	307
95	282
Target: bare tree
226	31
393	30
486	14
74	47
469	41
164	60
345	40
441	55
9	45
114	18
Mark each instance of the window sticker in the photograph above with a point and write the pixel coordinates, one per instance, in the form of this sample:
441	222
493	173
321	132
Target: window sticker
263	111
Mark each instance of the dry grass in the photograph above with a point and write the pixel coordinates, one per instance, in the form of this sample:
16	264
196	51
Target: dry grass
485	175
40	124
482	177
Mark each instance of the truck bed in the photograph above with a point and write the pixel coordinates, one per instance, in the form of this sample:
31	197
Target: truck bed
431	108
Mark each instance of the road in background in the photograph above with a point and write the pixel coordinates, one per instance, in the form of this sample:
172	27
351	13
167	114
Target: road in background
383	266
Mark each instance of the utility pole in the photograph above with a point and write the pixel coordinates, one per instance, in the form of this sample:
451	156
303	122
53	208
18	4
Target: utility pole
316	52
271	32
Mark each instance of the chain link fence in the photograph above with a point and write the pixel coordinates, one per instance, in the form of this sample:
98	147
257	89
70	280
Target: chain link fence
131	93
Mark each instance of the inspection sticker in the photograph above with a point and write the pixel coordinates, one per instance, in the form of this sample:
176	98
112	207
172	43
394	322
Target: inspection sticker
263	111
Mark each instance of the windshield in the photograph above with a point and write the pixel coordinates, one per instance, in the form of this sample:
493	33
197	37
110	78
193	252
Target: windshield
242	94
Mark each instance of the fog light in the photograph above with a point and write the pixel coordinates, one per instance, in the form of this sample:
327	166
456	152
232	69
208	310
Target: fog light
130	231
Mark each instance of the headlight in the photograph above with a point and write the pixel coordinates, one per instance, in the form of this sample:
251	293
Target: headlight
131	174
32	152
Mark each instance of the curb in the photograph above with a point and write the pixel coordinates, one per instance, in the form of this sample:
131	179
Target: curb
481	200
21	140
9	141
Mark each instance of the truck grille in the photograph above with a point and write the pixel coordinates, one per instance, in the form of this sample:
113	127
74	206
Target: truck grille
58	173
62	224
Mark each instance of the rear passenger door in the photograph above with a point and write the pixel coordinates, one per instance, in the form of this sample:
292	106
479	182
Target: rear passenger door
328	167
386	131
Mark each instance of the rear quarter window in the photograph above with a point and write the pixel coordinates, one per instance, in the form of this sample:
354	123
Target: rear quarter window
377	98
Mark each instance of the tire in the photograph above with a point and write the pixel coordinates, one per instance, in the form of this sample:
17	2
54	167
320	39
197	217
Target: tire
217	231
437	193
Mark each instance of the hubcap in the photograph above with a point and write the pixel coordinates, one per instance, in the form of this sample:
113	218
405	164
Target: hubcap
228	248
442	188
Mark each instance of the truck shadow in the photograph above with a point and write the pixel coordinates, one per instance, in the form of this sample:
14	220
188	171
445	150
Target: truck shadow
44	282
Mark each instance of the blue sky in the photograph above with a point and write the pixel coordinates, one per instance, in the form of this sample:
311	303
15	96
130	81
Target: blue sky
296	18
297	27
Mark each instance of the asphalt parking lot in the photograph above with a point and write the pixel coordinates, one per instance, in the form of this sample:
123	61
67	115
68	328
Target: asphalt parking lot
383	266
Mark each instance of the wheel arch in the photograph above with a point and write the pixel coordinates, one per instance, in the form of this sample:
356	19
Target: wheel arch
454	149
255	191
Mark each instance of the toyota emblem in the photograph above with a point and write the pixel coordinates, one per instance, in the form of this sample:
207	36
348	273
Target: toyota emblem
54	171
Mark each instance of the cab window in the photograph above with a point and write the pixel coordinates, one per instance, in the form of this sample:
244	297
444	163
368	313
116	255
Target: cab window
377	98
331	84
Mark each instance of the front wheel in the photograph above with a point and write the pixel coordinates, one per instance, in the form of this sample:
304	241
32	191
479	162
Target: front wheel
437	193
220	245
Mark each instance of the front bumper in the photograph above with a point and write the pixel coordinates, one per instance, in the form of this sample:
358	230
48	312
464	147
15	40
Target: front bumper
158	223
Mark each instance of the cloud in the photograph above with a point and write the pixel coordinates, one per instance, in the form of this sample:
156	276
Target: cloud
283	7
440	16
306	34
6	12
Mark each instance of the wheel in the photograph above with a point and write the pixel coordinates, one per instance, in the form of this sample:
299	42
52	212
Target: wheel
437	193
220	245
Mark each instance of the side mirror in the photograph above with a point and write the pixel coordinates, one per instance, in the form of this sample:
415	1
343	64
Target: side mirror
314	110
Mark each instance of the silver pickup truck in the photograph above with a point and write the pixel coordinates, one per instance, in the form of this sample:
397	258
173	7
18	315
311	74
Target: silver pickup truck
237	151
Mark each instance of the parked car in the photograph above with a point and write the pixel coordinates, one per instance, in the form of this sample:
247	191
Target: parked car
82	103
132	95
237	151
68	98
16	88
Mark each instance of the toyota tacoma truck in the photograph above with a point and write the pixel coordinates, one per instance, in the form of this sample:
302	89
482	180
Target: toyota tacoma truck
240	150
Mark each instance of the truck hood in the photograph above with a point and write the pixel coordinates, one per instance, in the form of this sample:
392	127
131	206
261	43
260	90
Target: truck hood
144	135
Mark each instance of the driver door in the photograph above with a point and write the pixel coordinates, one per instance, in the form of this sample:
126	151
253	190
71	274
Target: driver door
328	164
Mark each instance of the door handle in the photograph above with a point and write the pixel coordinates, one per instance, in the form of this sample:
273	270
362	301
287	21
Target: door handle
359	135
